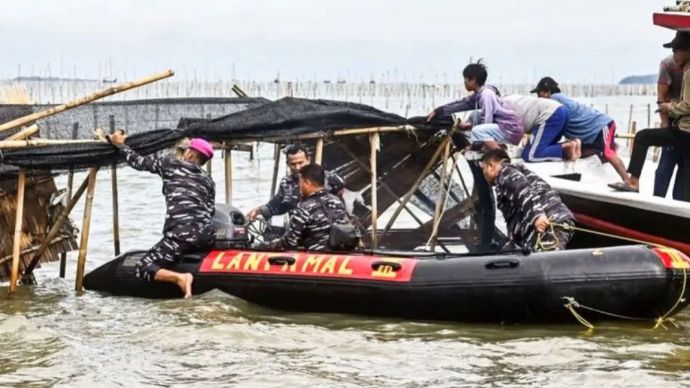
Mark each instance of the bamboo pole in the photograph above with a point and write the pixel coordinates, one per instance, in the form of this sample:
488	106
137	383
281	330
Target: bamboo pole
70	183
319	151
55	229
337	133
373	158
86	227
228	175
85	100
441	196
16	246
7	144
24	133
276	168
414	187
113	186
209	168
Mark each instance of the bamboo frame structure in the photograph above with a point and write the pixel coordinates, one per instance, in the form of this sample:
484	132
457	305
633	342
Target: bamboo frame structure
16	247
382	183
86	227
441	197
414	187
373	159
85	100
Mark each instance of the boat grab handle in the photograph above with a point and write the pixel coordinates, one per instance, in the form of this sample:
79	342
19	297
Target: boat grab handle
281	260
393	265
505	263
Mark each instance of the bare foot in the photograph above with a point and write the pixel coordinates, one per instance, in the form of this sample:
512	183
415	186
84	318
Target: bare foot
578	149
185	283
569	150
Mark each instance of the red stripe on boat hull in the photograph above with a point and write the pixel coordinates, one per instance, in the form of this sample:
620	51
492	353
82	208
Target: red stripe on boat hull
609	227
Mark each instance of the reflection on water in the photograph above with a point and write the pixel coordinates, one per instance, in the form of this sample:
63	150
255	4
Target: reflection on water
50	336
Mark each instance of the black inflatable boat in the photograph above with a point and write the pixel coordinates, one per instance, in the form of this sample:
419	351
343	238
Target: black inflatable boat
635	281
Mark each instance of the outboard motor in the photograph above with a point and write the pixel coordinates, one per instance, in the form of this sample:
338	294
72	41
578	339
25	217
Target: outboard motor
231	228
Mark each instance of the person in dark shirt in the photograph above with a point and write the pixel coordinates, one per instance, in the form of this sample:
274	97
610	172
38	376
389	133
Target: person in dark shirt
311	221
288	194
190	202
529	205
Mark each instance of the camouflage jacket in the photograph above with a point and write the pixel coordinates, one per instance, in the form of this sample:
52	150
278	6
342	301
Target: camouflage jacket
190	195
288	194
309	226
522	197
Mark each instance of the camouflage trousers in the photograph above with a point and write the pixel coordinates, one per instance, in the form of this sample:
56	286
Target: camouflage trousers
166	252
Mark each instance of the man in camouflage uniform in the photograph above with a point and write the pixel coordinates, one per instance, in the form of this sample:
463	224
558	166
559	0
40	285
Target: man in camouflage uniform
529	205
288	194
309	226
190	202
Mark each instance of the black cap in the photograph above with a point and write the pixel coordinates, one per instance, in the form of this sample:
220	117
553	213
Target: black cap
680	42
547	83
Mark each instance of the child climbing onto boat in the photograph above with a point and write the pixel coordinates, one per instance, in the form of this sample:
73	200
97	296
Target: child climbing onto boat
545	121
595	129
498	124
534	213
190	202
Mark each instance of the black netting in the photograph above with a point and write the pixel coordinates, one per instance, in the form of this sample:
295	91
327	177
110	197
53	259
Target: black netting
283	118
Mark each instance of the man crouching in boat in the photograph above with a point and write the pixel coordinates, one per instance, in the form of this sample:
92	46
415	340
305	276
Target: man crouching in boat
529	205
190	195
288	194
320	221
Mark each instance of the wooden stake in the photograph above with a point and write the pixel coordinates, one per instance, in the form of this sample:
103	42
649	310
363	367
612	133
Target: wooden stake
373	158
113	186
228	175
16	247
85	100
419	180
319	151
24	133
441	196
276	168
55	228
631	142
86	226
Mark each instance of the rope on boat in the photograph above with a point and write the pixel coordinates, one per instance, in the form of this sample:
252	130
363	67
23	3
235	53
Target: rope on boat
572	304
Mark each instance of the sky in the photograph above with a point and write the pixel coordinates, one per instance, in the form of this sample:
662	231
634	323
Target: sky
356	40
